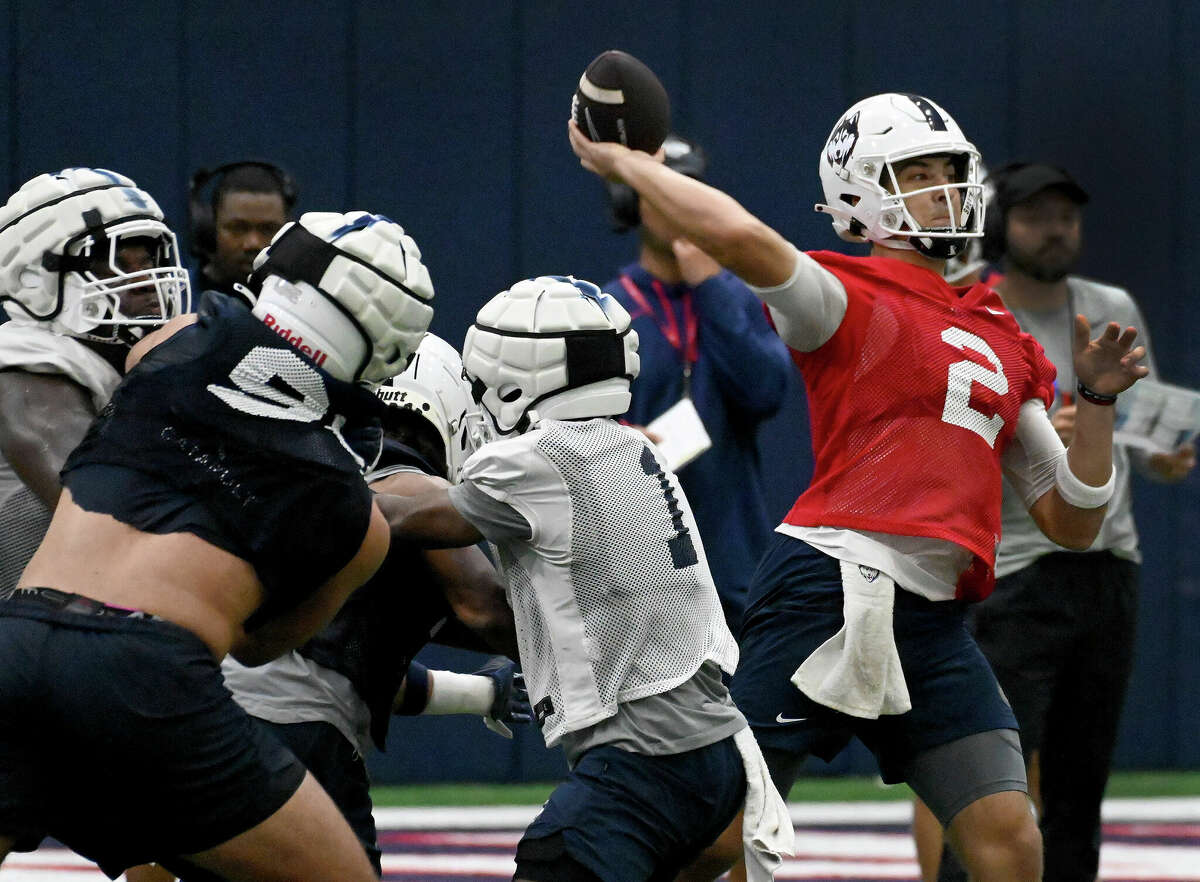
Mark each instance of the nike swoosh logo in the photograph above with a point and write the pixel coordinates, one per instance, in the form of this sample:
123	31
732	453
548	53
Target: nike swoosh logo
780	718
994	311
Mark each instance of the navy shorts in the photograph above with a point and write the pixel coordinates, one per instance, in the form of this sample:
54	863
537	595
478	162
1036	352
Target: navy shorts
119	738
796	605
627	817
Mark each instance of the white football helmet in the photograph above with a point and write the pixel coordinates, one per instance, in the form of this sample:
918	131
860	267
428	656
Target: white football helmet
857	169
553	347
434	387
354	284
63	257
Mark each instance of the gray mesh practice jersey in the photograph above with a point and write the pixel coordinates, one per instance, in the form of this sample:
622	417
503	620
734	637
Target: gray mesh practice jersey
24	519
1021	541
609	584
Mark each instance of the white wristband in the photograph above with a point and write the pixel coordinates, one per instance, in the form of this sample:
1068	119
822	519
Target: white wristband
1076	492
451	693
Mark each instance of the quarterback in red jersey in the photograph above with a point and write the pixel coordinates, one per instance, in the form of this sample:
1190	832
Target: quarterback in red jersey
921	396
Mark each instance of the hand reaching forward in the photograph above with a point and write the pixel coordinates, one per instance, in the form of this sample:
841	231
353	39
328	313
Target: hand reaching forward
1109	364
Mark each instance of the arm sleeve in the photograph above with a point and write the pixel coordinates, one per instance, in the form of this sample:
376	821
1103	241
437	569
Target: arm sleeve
1031	459
809	307
496	520
515	475
749	358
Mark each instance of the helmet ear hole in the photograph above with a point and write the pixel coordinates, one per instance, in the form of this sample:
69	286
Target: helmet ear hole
509	392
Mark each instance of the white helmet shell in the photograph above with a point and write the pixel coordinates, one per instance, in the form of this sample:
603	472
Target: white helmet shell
369	270
434	387
62	238
857	169
554	343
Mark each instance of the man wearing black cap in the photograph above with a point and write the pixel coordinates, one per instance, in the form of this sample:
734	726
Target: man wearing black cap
1059	628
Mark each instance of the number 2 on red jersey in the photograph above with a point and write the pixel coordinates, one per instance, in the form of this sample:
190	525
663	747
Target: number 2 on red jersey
961	376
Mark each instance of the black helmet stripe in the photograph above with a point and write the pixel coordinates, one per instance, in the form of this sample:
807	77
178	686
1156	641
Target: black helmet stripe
932	116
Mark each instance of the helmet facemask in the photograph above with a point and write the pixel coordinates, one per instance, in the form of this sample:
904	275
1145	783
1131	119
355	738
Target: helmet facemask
895	219
100	291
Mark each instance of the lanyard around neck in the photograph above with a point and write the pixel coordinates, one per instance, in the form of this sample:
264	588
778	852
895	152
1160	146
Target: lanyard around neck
684	344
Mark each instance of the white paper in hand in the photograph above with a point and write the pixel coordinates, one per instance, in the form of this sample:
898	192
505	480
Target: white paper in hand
1157	416
683	434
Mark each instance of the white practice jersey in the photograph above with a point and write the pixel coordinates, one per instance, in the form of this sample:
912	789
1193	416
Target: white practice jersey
604	568
23	517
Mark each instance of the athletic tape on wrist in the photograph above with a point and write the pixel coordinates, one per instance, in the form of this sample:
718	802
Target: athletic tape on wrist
1078	493
455	693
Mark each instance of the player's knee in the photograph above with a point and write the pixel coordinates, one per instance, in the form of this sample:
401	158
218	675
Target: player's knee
998	838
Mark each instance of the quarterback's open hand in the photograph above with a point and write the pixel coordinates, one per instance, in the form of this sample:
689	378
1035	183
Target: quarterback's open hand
511	701
1109	364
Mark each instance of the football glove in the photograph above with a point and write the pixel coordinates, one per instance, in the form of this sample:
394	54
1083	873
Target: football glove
511	702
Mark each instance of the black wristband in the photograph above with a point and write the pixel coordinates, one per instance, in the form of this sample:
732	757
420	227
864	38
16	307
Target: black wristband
416	691
1094	397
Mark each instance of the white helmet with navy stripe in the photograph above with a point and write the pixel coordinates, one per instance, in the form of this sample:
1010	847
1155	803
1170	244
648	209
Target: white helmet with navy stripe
434	387
352	286
857	169
65	263
554	345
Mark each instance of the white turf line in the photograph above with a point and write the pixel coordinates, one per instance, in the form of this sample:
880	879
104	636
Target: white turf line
819	854
507	817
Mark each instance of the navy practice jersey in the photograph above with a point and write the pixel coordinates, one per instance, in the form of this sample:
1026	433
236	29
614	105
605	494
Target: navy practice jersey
226	431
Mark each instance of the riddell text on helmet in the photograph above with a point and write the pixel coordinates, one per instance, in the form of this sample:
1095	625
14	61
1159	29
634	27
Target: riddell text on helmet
317	355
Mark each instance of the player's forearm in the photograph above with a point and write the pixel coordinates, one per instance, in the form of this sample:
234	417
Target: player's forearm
428	520
714	221
1090	453
1073	512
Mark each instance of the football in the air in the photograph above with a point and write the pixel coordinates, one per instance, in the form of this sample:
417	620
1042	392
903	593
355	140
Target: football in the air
620	99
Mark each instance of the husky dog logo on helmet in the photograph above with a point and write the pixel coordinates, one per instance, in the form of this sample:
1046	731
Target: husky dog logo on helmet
842	141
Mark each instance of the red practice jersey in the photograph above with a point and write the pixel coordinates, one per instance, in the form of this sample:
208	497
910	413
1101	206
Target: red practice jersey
911	403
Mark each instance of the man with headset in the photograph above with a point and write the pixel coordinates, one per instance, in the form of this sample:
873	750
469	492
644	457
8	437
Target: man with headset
700	329
235	210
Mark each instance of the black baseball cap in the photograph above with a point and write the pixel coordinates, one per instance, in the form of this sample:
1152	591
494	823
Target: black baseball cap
1021	180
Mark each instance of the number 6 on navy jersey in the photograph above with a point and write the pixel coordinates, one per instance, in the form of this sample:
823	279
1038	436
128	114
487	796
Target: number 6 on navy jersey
275	383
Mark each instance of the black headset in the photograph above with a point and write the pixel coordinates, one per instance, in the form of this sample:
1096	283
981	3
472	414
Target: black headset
200	210
684	156
994	222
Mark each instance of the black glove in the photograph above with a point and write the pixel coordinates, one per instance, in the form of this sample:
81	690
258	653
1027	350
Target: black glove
511	701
